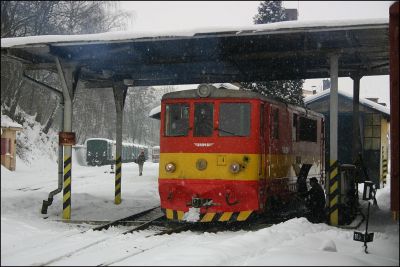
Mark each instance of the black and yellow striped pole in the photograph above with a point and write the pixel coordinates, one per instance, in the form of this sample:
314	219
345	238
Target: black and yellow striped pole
333	142
69	76
120	90
334	192
67	139
384	170
67	188
118	180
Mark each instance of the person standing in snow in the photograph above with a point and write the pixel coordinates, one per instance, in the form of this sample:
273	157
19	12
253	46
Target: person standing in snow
140	160
316	201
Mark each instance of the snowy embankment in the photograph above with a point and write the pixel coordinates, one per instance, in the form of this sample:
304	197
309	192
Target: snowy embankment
30	238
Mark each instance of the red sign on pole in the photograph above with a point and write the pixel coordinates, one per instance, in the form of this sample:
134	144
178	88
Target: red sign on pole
66	138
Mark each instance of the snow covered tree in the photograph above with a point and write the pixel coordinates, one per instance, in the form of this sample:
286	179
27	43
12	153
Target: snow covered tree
270	12
289	91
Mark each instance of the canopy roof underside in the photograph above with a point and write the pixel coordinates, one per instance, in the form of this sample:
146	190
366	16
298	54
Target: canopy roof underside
284	50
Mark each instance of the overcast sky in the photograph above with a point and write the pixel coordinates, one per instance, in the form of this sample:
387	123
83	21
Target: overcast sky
179	15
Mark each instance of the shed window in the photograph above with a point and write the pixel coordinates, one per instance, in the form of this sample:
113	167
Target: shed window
372	131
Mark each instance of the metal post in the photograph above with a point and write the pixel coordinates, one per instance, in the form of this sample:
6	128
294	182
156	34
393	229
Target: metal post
394	107
356	115
333	139
366	230
68	92
119	90
49	201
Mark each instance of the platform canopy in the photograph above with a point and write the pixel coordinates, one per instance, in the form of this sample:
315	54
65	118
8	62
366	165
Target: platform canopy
283	50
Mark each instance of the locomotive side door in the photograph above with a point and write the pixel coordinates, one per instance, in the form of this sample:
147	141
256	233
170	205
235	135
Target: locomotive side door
274	140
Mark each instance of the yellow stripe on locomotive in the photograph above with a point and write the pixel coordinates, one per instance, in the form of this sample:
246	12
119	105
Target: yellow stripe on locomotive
188	166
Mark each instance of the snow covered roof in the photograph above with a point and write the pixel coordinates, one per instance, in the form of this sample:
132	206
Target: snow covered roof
282	50
363	101
142	36
7	122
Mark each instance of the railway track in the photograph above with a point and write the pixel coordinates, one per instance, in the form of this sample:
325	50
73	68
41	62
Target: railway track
154	220
143	220
141	215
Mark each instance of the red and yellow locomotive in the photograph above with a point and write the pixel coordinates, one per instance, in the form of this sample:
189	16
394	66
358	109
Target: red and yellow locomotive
225	154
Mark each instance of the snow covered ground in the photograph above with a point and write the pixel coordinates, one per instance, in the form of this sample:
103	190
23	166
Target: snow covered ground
30	238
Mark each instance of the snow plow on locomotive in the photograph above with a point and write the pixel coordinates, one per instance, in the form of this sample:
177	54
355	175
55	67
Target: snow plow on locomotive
228	154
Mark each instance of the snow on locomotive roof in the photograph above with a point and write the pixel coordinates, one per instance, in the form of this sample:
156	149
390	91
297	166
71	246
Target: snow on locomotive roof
129	36
215	93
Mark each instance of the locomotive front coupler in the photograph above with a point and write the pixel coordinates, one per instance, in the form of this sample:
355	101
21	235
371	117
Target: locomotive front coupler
201	202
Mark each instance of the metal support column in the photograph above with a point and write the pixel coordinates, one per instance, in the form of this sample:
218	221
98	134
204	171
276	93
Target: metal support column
333	140
356	115
120	91
394	107
69	80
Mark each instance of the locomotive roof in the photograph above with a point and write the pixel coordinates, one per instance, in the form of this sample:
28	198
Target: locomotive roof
228	93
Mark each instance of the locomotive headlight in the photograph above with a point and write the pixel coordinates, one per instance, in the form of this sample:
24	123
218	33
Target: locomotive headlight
234	168
203	90
201	164
170	167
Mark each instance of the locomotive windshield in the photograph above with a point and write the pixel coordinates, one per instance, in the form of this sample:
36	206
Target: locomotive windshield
203	119
234	119
177	119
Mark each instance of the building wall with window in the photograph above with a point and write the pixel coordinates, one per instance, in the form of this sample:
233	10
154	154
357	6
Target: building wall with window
374	125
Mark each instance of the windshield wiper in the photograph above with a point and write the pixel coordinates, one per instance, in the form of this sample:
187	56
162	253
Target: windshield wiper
225	131
219	129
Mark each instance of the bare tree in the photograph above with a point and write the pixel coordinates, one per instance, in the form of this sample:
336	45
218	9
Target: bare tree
27	18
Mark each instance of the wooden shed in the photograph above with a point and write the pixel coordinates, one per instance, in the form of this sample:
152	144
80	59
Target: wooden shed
9	130
374	128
